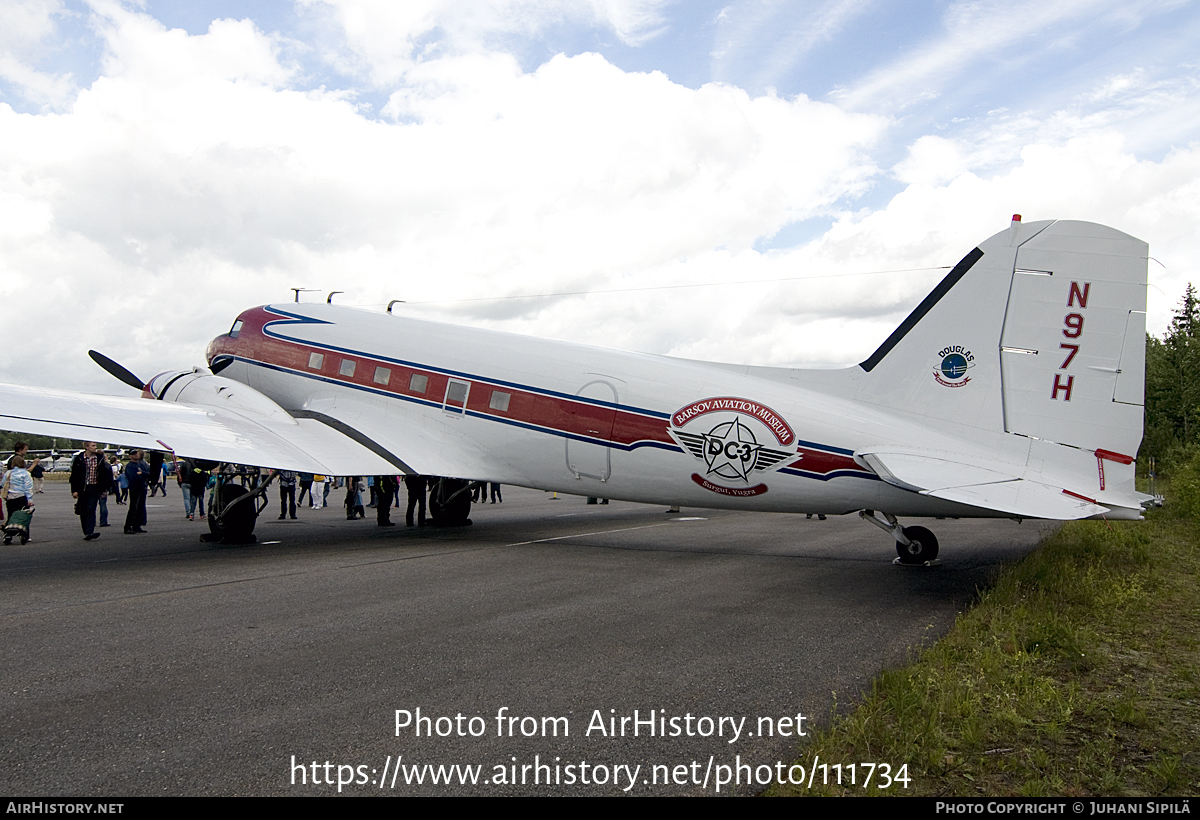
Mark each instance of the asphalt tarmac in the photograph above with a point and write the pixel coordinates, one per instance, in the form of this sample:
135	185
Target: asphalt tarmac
158	665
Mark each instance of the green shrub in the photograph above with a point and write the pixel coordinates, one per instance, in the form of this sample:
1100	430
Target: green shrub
1185	486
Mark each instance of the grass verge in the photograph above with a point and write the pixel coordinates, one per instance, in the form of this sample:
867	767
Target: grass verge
1077	674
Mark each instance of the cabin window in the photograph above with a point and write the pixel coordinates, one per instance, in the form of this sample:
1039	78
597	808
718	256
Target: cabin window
419	383
236	329
347	368
499	401
456	397
315	360
382	375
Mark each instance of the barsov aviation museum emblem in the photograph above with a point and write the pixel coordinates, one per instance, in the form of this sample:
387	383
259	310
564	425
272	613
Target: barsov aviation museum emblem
954	362
730	436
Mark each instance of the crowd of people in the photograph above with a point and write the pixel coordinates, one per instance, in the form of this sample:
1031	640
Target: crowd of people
98	476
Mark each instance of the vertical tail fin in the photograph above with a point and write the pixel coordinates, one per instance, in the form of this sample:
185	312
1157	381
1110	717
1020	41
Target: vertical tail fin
1040	332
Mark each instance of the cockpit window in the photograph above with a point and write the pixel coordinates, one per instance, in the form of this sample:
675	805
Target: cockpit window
236	329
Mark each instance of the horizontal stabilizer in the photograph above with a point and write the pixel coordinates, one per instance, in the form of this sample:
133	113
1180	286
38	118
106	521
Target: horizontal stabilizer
925	471
1024	499
970	480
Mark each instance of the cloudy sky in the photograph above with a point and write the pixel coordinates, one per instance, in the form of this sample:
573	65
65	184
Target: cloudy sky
752	181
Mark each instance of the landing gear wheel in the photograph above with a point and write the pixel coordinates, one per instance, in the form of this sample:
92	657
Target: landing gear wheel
237	525
923	546
450	502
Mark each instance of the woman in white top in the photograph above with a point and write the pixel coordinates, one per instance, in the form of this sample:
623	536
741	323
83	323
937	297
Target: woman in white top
20	489
20	485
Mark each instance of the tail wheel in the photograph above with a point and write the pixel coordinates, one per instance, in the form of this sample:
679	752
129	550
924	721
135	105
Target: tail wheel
922	547
236	526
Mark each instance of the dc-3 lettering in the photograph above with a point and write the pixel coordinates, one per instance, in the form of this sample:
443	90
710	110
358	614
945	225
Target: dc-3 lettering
323	389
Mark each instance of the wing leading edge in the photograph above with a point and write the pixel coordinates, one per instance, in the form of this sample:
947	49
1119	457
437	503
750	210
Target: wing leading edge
221	434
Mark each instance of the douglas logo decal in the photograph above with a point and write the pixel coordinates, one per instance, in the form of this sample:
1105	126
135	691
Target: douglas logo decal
952	368
730	436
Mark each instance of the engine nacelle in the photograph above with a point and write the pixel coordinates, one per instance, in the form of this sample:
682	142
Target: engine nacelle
200	388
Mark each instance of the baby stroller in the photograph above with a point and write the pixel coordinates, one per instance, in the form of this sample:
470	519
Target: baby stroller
17	526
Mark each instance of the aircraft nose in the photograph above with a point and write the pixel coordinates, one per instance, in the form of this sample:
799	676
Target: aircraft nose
219	353
220	350
215	349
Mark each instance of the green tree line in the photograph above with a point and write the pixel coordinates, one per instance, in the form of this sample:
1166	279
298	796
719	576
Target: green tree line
64	446
1173	389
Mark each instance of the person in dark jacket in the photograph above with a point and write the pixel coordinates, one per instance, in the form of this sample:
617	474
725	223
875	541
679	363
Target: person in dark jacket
37	471
157	479
90	477
197	480
386	486
287	494
19	449
416	498
137	473
354	504
306	482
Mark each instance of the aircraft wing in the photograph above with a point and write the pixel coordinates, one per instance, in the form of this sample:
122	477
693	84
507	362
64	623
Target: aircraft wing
278	441
966	480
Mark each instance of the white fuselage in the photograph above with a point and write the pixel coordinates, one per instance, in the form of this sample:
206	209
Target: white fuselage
484	405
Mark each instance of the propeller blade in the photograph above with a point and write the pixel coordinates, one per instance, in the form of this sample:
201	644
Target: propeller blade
116	370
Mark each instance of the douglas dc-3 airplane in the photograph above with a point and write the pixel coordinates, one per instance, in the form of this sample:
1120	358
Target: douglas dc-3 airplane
1014	390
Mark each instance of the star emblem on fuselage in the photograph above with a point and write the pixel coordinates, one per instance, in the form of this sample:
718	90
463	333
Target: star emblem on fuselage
730	450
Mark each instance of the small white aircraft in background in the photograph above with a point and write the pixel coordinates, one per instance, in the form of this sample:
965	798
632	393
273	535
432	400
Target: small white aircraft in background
1015	389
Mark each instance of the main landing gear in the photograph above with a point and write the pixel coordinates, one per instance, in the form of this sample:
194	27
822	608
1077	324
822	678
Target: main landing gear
914	545
450	502
235	512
